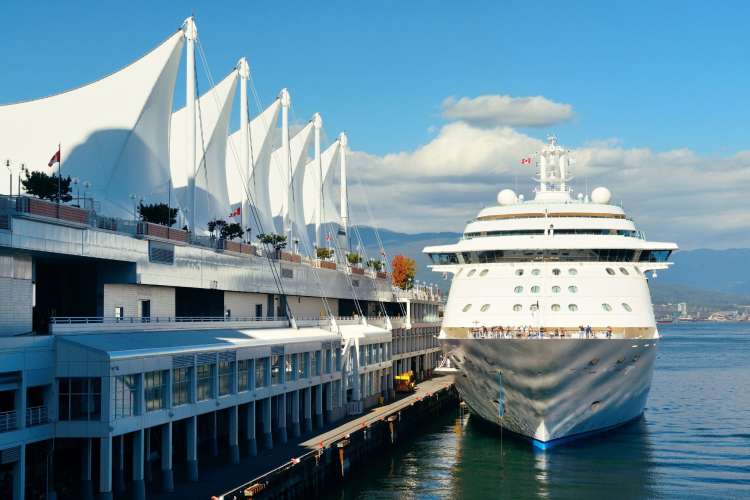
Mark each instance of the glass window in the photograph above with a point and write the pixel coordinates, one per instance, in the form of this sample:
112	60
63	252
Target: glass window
637	271
304	363
180	386
484	307
484	272
329	361
572	271
316	362
610	271
606	307
471	273
624	271
275	369
627	307
518	289
534	307
205	375
155	389
261	370
517	307
243	375
126	396
573	289
119	312
555	289
572	307
226	376
556	272
466	307
519	272
80	398
555	307
535	289
290	363
536	272
338	359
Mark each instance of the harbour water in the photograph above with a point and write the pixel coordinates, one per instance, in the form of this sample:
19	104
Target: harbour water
693	441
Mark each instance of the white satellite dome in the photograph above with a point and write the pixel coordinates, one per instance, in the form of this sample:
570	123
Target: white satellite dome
601	195
507	197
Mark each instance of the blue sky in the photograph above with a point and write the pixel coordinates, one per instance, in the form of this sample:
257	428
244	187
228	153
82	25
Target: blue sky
654	88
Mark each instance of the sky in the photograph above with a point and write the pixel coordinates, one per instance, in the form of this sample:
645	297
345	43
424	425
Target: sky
440	100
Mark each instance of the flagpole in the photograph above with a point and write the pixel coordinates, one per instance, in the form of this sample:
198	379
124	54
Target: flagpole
59	172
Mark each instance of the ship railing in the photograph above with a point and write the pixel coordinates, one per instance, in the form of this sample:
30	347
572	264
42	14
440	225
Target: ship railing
520	335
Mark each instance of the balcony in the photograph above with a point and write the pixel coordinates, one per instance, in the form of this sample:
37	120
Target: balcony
8	421
36	415
77	324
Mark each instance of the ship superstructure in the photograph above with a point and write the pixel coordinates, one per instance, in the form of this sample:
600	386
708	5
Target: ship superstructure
549	318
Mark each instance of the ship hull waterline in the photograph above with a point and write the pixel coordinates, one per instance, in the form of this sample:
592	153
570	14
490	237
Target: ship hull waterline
553	391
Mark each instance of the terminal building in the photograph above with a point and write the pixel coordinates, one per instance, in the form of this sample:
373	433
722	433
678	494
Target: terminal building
130	350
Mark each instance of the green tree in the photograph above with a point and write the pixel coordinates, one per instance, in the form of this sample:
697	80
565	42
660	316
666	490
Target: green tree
276	241
216	225
231	231
377	265
354	258
324	253
47	187
158	213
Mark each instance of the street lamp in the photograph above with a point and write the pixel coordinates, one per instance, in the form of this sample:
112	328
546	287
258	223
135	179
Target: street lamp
76	181
86	186
134	197
10	173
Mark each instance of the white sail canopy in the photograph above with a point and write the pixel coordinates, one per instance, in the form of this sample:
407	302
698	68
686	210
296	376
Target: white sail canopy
256	182
113	133
213	115
324	196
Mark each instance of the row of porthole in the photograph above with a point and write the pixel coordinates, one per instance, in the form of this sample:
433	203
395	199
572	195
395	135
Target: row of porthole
537	289
555	272
553	307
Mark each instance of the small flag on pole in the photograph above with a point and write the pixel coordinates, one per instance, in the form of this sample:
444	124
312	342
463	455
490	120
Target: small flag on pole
236	212
328	236
55	158
525	161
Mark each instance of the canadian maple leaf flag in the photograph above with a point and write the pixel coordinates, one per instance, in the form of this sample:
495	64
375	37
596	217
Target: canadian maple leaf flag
525	161
55	158
236	212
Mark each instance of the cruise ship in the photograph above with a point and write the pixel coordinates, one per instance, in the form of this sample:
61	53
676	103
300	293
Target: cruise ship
549	320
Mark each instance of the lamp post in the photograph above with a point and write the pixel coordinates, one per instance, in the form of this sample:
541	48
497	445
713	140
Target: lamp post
76	181
134	197
10	173
23	169
86	187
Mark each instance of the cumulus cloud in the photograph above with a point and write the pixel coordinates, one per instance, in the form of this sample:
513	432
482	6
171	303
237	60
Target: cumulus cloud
504	110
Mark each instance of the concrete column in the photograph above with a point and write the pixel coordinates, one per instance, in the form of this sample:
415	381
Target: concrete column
282	418
167	476
252	445
267	435
319	407
19	474
215	435
192	448
119	472
148	477
329	403
295	414
105	467
234	448
308	409
139	486
87	487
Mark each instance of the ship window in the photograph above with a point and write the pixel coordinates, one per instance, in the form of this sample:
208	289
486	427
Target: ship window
535	289
555	289
467	307
627	307
459	272
484	308
572	289
484	272
637	271
572	307
519	272
517	307
471	273
534	307
624	271
610	271
572	271
606	307
535	272
555	307
556	272
518	289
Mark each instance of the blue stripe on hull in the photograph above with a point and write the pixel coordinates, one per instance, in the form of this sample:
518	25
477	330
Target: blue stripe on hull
546	445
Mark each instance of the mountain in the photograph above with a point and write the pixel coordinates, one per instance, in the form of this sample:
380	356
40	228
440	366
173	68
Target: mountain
722	270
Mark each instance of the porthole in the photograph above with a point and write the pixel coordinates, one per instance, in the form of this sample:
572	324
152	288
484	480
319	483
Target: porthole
459	272
610	271
536	289
484	307
471	273
536	272
572	289
484	272
534	307
517	307
637	271
606	307
596	405
519	272
518	289
467	307
627	307
556	272
555	289
624	271
572	271
555	307
572	307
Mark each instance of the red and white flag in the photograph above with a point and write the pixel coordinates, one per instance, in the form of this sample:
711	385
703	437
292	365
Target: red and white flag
236	212
55	158
525	161
328	236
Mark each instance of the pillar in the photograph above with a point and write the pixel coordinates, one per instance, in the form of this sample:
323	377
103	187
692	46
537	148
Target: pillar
308	409
234	448
295	414
192	448
119	473
87	487
167	476
329	403
215	434
252	445
319	407
282	417
105	467
267	435
148	477
19	474
139	486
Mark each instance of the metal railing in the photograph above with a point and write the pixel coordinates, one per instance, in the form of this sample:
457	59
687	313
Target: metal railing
86	320
520	334
8	421
36	415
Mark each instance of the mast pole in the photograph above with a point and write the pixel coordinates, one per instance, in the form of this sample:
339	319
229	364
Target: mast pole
191	33
244	71
318	124
343	243
285	102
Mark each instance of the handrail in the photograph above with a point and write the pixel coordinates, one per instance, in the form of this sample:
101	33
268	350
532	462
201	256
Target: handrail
8	421
84	320
36	415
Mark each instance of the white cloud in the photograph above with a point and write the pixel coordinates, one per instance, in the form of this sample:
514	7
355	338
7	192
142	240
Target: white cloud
504	110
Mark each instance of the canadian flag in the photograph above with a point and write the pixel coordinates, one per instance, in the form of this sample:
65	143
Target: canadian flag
525	161
236	212
328	236
55	158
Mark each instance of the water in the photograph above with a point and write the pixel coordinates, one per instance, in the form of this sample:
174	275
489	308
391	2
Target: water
693	441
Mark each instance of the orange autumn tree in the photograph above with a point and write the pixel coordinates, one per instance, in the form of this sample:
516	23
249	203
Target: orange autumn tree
403	270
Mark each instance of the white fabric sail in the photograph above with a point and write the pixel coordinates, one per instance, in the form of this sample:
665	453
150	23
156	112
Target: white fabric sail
114	132
261	144
314	194
212	115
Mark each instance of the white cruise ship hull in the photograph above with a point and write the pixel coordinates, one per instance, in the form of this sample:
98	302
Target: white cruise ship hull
551	390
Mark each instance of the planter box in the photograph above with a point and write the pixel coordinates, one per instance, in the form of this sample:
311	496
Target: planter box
324	264
358	270
163	232
235	246
291	257
381	275
35	206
